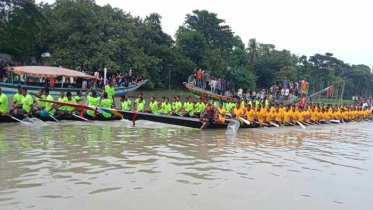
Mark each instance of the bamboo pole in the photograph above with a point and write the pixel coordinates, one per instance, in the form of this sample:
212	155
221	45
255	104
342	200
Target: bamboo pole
343	90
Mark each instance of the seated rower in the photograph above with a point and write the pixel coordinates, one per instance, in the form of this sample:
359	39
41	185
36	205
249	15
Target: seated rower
48	106
250	114
238	111
153	106
125	102
140	105
27	104
208	114
40	104
200	106
166	107
106	102
278	115
287	117
78	98
221	113
93	101
177	106
188	107
3	103
17	102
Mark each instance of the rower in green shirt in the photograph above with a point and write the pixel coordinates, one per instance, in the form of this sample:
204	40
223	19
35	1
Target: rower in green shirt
78	98
176	109
200	106
69	99
137	100
110	90
92	101
27	103
41	104
153	106
140	107
166	107
3	103
18	99
106	103
126	103
49	107
61	99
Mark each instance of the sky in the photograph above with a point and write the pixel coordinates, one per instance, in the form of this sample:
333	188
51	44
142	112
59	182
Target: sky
305	27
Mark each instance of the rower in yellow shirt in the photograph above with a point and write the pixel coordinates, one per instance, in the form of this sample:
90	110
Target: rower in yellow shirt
250	114
221	113
238	111
287	117
314	115
261	115
279	116
294	115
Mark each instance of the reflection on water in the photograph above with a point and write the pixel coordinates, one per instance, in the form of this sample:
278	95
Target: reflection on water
93	165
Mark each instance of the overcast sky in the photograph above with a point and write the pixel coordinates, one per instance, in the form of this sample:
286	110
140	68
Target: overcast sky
305	27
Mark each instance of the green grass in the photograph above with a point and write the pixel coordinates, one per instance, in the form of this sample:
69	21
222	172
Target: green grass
331	101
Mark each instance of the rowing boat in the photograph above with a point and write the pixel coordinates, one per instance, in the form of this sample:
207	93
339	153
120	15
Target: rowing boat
6	119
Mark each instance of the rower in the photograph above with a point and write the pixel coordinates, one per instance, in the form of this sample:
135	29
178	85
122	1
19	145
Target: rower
176	108
250	114
61	99
153	106
221	113
3	103
106	102
279	116
49	107
41	104
17	101
137	100
126	103
188	107
27	103
269	115
93	100
166	107
261	116
238	111
110	90
78	98
200	106
287	116
208	114
69	109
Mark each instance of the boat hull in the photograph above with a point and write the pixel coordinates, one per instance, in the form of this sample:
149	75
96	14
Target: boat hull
11	89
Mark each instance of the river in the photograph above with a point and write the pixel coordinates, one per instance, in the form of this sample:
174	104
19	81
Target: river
113	165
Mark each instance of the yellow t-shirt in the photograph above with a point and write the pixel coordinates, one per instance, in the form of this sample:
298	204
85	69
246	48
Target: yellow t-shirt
278	116
287	116
250	115
238	112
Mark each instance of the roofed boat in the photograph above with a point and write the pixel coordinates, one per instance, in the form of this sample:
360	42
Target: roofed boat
50	72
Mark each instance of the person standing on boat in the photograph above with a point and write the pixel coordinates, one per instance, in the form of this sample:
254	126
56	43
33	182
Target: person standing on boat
126	103
109	89
304	86
3	103
199	78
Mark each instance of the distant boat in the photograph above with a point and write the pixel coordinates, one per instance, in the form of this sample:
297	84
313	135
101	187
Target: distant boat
199	92
50	72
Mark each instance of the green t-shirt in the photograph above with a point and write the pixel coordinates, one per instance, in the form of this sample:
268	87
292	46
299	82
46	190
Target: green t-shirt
3	104
78	98
27	102
140	107
92	102
186	106
200	107
126	105
110	92
40	103
106	103
63	108
48	106
69	108
177	107
154	107
137	101
18	98
166	108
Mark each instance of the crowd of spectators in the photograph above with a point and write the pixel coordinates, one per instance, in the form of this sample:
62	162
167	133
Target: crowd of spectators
203	79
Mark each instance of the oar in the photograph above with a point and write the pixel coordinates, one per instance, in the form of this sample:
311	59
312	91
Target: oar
53	118
301	125
274	124
18	120
77	116
245	121
343	121
335	121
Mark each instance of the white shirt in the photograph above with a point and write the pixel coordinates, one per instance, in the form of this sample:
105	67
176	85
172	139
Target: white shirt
287	92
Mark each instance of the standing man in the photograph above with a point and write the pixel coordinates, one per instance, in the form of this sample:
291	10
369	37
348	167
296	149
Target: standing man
304	86
207	79
3	103
199	78
109	89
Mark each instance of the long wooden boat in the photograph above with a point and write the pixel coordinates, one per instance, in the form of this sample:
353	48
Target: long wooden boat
6	119
49	72
199	92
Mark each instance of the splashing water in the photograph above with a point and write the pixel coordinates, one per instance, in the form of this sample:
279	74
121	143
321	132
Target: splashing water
232	127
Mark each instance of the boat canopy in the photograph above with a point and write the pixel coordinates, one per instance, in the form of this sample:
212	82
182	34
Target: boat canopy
48	71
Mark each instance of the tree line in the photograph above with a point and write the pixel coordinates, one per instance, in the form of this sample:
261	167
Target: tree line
82	33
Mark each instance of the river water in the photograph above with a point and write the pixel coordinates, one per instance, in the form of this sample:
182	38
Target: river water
113	165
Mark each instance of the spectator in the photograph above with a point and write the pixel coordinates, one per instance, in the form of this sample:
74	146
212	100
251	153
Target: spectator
199	78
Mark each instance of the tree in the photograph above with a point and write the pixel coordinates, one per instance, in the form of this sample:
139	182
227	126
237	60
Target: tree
286	73
253	52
